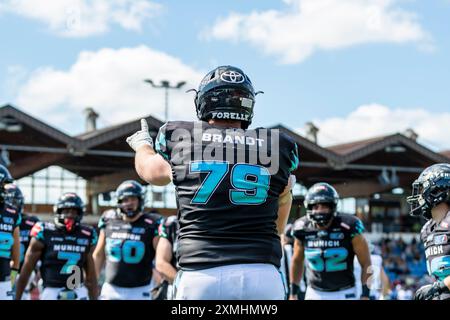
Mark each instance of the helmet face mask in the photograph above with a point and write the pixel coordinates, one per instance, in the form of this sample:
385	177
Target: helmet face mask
429	190
130	189
14	197
325	194
226	93
321	218
64	217
129	205
5	177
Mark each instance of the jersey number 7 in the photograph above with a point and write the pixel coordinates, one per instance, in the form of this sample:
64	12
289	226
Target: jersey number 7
250	182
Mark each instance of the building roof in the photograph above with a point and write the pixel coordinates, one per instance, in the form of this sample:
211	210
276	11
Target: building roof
104	152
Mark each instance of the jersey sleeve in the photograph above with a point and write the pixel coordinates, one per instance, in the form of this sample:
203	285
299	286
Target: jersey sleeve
356	227
106	216
18	221
37	231
161	143
101	223
163	229
94	238
298	230
293	156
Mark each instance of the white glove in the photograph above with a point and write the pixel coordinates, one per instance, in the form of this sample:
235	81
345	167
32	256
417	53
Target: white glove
141	137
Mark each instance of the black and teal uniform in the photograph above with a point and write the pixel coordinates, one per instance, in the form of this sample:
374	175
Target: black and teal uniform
329	253
436	239
129	248
63	251
28	222
10	219
227	182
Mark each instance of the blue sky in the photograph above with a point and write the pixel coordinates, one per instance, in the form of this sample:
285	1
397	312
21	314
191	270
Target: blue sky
357	68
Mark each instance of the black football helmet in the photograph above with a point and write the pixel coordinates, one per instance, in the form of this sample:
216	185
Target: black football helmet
431	188
322	193
226	93
130	188
14	197
68	200
5	177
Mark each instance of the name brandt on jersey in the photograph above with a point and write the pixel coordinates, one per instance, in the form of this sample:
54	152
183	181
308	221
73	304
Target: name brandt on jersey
236	139
323	243
127	236
69	247
432	251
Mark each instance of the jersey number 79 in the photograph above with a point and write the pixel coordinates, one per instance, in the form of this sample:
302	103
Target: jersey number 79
250	182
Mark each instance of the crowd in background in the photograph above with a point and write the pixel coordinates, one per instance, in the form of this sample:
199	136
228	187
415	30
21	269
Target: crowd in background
405	265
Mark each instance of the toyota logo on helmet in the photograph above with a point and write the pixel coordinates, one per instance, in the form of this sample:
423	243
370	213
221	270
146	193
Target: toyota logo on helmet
232	77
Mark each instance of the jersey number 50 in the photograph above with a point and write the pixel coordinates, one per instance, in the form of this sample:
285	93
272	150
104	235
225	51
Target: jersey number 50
250	182
130	251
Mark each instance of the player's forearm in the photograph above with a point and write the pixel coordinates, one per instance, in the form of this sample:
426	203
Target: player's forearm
447	282
92	287
284	208
15	252
15	257
150	168
22	280
167	270
296	272
99	261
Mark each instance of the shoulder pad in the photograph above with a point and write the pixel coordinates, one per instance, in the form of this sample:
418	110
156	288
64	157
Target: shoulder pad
86	230
149	219
170	220
299	224
49	226
109	215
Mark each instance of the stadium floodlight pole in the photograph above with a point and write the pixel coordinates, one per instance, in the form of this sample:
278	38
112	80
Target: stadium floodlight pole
166	86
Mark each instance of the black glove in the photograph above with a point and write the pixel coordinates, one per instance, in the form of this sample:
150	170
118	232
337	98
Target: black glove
160	291
431	291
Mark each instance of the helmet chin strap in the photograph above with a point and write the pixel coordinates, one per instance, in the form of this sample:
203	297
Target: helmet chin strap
128	213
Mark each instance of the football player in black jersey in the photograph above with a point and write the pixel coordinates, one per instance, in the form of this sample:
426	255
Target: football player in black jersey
10	219
14	197
431	199
127	243
328	241
65	249
165	260
232	187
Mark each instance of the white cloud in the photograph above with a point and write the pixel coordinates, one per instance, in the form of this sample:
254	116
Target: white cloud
15	75
373	120
81	18
110	81
306	26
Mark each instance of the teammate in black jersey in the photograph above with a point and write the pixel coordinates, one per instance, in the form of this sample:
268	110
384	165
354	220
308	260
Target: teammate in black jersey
14	197
10	219
232	190
166	262
431	199
328	241
127	243
65	249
